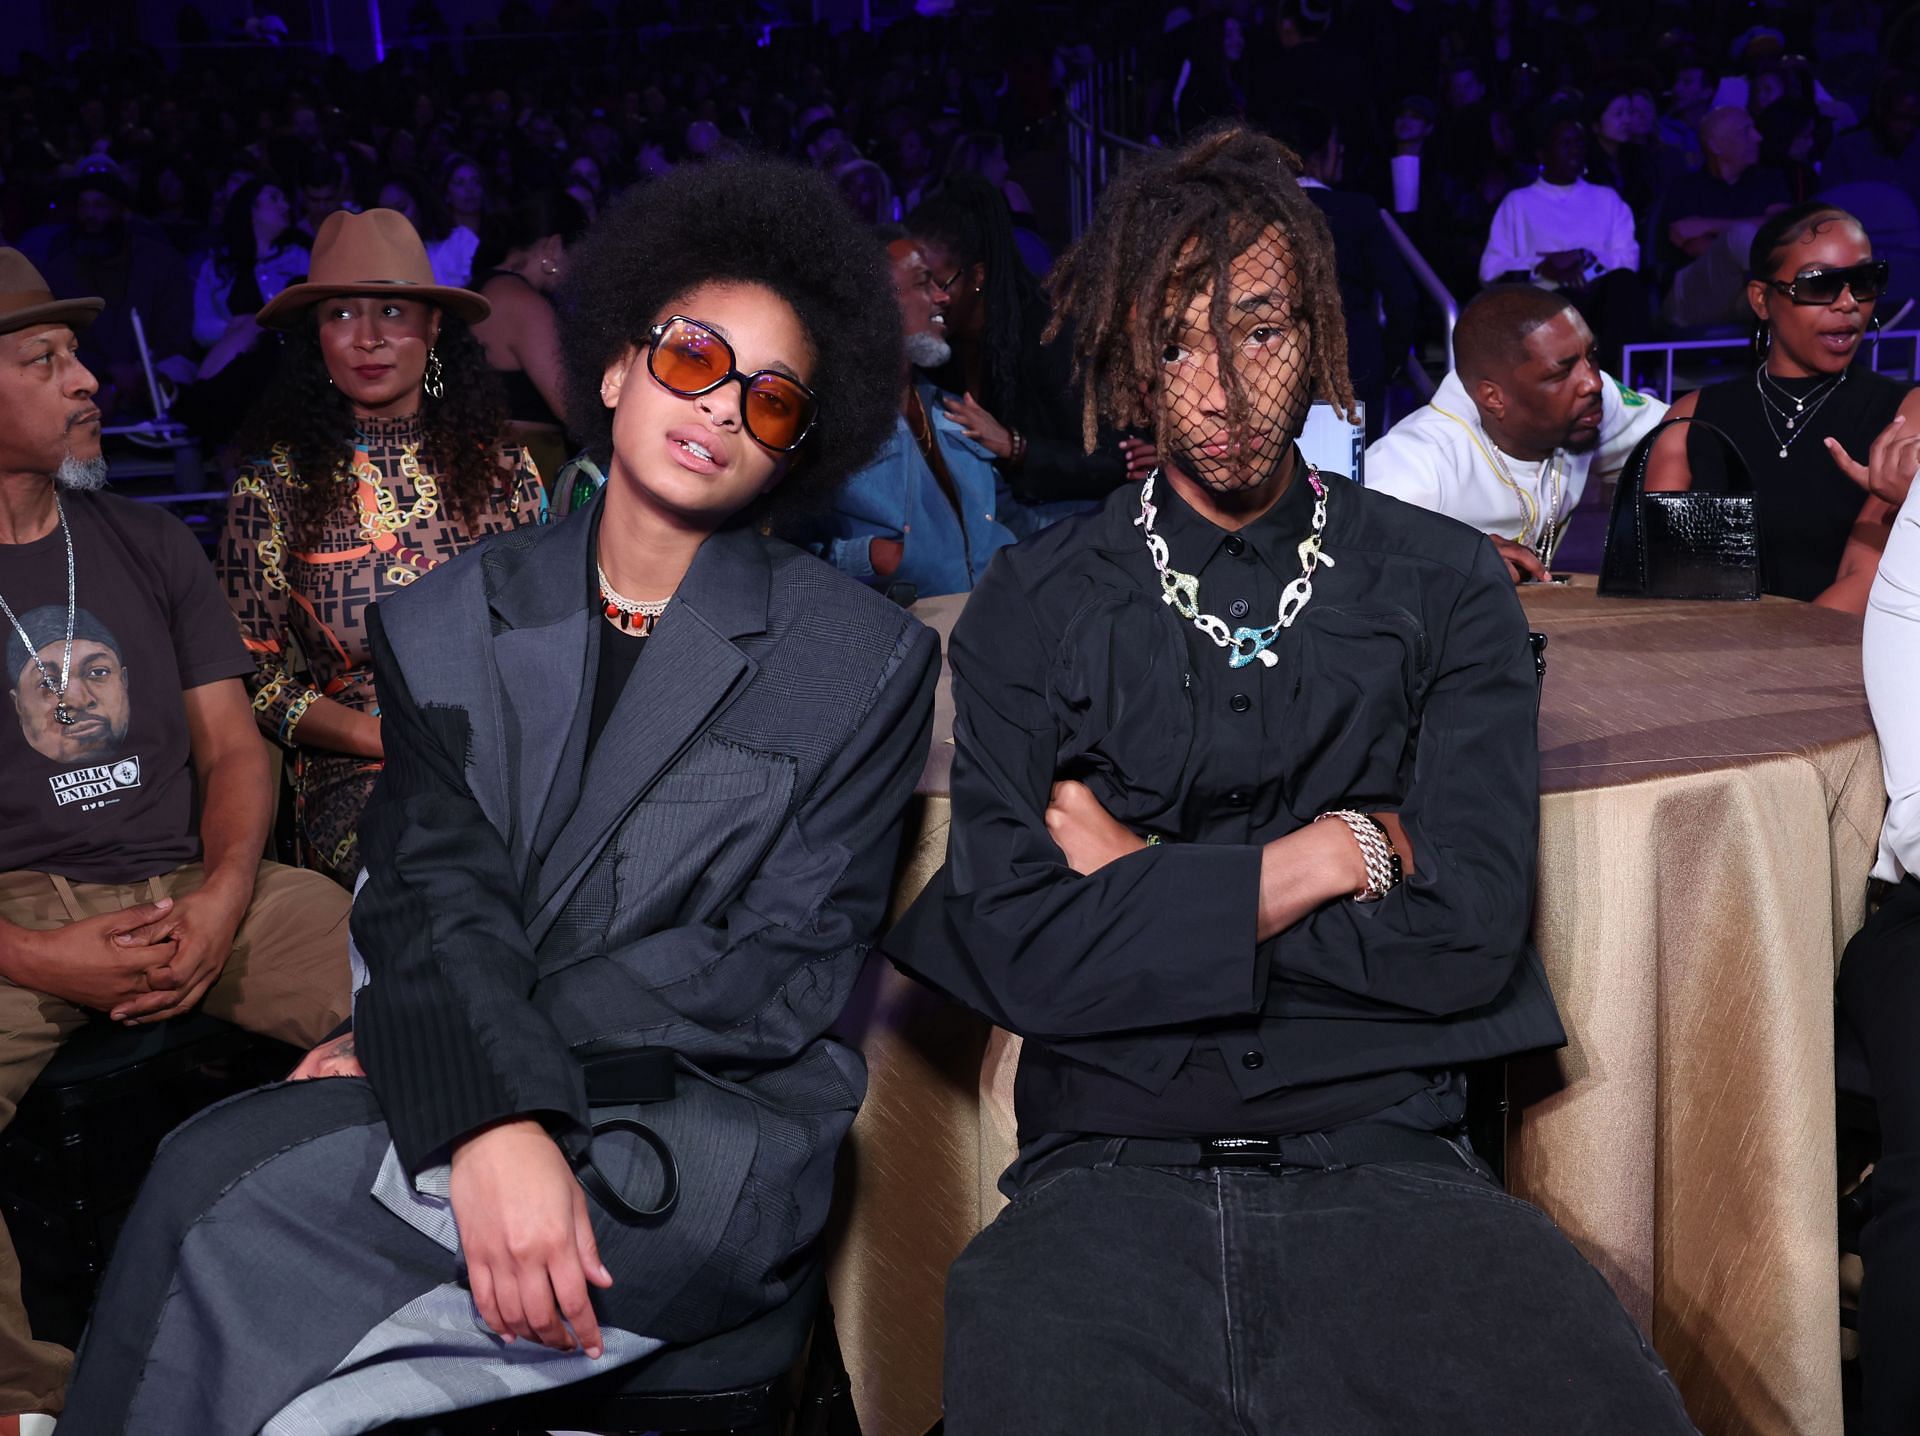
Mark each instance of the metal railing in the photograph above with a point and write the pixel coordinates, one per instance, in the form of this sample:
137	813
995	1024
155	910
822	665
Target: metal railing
1424	276
1667	351
1094	148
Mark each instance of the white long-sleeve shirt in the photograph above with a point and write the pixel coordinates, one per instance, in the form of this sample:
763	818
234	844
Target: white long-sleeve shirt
1544	219
1890	654
1440	458
212	291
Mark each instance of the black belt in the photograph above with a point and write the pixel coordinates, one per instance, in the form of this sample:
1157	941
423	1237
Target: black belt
625	1076
1357	1145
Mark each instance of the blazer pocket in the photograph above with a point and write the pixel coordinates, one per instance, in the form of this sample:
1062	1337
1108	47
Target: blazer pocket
691	844
725	787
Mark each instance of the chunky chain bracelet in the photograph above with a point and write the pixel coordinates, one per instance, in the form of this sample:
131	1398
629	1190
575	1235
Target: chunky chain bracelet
1383	863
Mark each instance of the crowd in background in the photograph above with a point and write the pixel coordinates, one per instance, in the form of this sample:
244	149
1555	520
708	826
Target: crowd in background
191	192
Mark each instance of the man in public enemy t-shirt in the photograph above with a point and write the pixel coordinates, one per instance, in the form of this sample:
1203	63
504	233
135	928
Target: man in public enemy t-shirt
135	790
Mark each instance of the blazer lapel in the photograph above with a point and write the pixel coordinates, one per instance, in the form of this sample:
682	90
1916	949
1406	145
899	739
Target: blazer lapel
541	655
684	679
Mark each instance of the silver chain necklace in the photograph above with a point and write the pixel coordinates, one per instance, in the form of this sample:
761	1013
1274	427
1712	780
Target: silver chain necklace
1181	591
1802	416
65	714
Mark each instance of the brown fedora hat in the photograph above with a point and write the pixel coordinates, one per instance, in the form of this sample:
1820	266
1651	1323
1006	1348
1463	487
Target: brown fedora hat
373	253
25	298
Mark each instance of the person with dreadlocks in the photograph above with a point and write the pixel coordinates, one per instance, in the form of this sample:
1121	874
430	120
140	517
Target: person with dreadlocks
1007	388
1245	806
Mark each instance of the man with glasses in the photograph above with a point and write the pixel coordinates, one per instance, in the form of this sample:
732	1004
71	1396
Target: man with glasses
924	517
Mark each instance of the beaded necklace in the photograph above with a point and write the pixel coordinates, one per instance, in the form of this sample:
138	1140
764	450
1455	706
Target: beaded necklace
1181	591
635	615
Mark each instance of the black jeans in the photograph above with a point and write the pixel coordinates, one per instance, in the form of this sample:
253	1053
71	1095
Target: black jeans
1397	1298
1880	999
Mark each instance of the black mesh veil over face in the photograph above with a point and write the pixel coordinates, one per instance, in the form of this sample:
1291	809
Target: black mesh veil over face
1204	304
1234	378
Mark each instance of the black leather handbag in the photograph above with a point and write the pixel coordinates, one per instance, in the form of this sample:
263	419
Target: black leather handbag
1683	545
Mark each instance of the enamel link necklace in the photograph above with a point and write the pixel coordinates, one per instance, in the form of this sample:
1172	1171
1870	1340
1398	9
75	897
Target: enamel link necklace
1181	591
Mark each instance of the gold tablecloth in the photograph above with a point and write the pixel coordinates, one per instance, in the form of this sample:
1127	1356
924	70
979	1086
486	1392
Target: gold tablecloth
1711	796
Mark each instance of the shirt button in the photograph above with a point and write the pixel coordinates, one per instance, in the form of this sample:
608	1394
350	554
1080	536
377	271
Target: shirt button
1236	799
1239	703
1235	545
1237	609
1252	1061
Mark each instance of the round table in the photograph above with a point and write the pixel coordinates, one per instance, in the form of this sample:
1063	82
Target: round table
1710	801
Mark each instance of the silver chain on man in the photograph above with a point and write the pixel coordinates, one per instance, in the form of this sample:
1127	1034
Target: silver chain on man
60	710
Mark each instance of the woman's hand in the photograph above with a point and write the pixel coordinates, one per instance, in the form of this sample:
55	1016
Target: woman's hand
980	426
526	1237
330	1059
1891	461
1141	456
1087	833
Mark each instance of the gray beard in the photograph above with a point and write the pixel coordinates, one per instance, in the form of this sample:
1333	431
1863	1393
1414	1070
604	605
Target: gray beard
927	350
81	476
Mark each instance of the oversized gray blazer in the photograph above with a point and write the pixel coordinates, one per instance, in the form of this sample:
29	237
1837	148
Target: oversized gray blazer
708	880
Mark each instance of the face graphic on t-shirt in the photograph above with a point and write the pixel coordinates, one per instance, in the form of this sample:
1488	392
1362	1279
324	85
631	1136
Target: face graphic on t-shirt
96	695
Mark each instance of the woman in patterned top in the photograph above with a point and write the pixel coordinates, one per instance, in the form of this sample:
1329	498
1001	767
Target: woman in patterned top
374	456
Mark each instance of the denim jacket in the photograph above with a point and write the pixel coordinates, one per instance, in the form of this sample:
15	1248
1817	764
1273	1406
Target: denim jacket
897	497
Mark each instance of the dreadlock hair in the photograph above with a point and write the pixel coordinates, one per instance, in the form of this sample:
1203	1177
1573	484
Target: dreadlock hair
1170	226
970	217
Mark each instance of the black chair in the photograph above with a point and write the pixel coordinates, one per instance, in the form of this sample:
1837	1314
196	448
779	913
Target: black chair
781	1367
72	1159
1489	1102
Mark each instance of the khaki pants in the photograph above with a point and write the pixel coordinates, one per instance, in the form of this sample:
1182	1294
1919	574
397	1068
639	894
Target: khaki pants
287	977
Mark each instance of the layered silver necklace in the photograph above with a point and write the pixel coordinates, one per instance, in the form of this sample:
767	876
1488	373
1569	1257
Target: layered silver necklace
1800	416
65	714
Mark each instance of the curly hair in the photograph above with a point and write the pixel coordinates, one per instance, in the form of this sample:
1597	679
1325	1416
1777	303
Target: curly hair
1170	226
304	411
749	221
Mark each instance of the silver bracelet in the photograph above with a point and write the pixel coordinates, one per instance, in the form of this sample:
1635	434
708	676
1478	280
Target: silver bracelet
1383	863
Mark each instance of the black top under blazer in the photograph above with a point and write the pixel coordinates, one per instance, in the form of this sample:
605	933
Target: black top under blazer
708	879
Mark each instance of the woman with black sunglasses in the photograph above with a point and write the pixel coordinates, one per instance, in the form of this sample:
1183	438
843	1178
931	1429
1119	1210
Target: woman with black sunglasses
635	834
1813	426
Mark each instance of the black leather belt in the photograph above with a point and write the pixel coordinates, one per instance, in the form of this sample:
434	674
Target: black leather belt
1357	1145
619	1075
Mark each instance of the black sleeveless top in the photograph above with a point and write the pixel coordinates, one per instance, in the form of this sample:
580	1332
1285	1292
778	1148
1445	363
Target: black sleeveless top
1807	507
524	403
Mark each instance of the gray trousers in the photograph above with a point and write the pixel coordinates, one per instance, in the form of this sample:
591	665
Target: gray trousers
259	1286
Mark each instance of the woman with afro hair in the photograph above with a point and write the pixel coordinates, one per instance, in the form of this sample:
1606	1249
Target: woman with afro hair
374	455
645	772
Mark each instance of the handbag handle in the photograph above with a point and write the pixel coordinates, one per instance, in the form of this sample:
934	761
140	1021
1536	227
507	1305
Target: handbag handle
1642	455
1623	562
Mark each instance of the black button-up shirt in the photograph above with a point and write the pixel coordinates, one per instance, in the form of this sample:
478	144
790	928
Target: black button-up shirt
1150	1007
